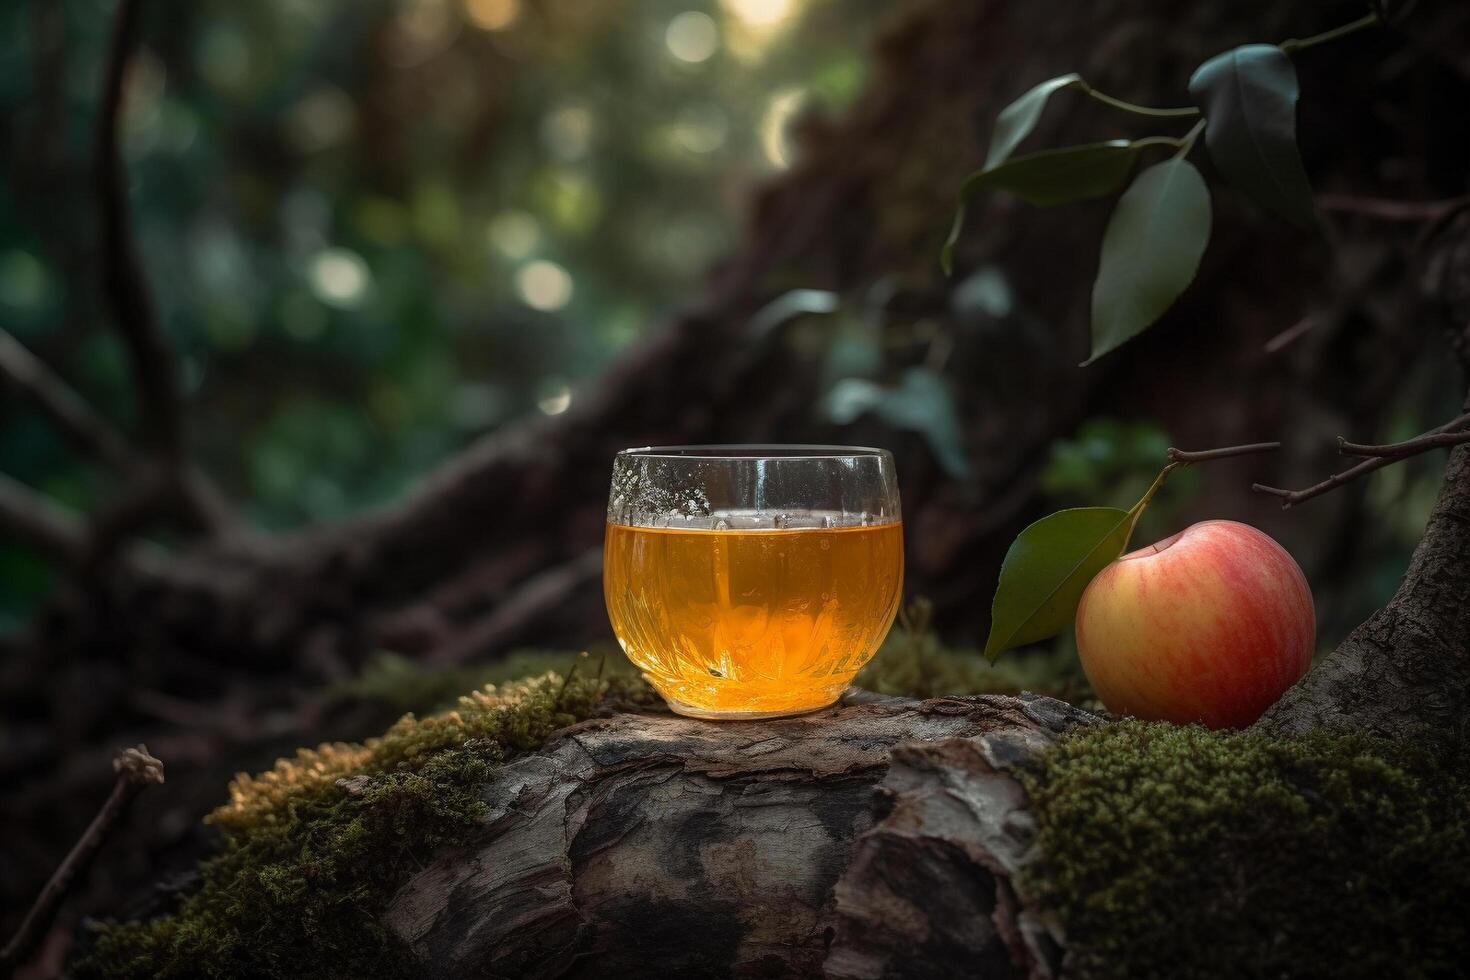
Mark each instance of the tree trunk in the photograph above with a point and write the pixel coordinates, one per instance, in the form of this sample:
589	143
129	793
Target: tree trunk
878	838
1406	670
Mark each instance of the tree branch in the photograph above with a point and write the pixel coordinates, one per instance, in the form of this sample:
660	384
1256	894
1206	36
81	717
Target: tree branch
135	769
1444	435
1388	209
125	284
32	519
1205	455
1455	435
540	596
63	405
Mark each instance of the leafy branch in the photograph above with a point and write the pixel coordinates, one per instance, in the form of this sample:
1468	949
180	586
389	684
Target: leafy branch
1051	562
1160	227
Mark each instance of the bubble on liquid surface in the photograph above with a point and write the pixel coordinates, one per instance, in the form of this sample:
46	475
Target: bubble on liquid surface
649	492
722	525
782	521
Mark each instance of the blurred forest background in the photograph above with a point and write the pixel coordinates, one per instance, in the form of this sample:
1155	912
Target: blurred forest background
489	242
376	230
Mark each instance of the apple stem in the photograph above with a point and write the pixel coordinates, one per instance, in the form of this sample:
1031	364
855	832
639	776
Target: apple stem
1178	458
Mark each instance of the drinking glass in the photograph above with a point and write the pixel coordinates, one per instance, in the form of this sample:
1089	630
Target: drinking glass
752	581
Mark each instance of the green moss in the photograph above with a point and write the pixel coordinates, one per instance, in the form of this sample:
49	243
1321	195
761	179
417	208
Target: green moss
307	863
913	662
400	684
1169	852
1180	852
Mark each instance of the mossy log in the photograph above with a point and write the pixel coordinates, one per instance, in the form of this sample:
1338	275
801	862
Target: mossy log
882	837
569	828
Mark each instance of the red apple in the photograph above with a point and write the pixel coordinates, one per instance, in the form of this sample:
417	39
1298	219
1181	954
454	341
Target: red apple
1212	624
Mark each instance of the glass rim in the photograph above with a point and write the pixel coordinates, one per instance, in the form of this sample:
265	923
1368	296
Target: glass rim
756	451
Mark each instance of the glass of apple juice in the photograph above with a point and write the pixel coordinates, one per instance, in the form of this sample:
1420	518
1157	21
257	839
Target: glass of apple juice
752	581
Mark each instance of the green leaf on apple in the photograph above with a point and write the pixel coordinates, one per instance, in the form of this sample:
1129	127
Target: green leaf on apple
1047	568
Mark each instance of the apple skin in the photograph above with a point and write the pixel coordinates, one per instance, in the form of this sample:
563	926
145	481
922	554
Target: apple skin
1209	625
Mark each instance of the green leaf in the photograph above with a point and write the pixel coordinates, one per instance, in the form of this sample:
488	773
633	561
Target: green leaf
1051	177
1016	120
1047	568
790	305
1249	97
1150	251
1047	178
922	403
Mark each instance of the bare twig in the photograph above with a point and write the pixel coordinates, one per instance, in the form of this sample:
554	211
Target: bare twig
1388	209
30	518
1295	331
540	596
1295	44
1205	455
1455	434
1375	461
125	285
571	672
135	769
63	405
204	505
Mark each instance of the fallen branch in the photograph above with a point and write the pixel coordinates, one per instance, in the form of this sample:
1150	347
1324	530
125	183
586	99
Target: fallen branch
1448	434
72	415
135	769
30	518
540	596
788	844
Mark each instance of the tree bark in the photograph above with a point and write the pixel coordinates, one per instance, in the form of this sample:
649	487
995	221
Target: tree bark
1406	670
883	837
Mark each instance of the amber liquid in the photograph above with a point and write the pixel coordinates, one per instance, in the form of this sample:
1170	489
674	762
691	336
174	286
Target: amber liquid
732	623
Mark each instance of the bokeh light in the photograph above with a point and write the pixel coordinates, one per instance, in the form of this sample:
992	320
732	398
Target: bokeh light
515	234
323	118
556	399
759	13
492	15
23	279
544	285
701	128
780	111
567	132
692	37
339	277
